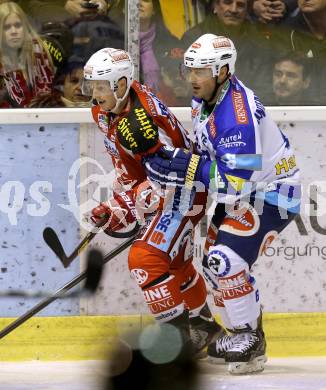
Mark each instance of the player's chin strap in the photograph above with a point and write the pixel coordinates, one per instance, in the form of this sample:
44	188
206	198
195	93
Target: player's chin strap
115	109
217	86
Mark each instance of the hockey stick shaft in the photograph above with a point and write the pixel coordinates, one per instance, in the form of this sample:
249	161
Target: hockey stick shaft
87	239
52	240
93	270
44	303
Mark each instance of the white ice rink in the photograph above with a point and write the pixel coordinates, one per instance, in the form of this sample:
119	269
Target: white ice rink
279	374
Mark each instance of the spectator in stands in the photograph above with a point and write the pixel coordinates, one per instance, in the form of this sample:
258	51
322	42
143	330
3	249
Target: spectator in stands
175	90
88	20
272	11
77	7
58	39
231	18
26	68
92	28
67	91
291	81
72	78
156	43
42	11
308	35
311	18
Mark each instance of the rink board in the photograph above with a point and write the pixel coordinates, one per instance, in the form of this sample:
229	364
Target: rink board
92	338
291	275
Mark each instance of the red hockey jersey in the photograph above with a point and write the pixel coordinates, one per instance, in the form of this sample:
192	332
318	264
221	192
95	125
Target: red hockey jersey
143	126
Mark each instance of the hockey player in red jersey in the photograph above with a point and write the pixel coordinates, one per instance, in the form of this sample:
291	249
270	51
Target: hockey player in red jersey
136	123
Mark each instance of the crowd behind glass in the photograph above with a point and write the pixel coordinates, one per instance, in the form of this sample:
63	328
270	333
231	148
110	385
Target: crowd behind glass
44	45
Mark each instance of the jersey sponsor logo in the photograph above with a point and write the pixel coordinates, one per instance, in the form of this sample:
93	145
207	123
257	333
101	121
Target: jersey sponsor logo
171	314
111	147
162	227
260	110
139	275
146	127
212	125
88	70
235	286
218	43
285	165
151	105
239	108
158	238
103	122
137	132
232	141
159	298
126	135
243	221
119	55
218	262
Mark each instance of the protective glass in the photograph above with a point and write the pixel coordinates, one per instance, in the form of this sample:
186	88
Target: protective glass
96	87
195	74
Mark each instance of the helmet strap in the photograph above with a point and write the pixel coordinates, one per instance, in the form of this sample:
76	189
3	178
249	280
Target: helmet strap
217	86
119	100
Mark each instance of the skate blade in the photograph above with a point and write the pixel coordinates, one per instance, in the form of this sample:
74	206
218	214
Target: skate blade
254	366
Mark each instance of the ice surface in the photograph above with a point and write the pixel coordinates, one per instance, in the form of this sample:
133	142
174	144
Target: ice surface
279	374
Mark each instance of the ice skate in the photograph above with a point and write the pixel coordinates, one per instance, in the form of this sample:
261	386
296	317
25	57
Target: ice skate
203	330
216	351
247	353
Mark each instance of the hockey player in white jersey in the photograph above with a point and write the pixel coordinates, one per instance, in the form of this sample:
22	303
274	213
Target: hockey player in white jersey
248	166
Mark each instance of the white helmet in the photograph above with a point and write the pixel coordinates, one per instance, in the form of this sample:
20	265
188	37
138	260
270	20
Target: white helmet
110	65
211	51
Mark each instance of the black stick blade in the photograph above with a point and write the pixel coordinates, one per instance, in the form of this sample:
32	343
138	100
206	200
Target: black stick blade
94	270
53	242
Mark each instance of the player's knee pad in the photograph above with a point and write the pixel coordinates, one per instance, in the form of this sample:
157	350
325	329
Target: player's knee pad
160	288
237	287
212	281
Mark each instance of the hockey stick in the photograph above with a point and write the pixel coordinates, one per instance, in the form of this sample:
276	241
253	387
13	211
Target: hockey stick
93	276
52	240
59	293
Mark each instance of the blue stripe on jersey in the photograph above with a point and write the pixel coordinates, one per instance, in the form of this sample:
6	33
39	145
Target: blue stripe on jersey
252	162
285	196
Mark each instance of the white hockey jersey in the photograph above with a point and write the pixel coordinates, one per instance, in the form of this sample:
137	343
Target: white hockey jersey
250	155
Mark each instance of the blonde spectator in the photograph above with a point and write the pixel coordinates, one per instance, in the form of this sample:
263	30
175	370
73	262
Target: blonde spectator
26	68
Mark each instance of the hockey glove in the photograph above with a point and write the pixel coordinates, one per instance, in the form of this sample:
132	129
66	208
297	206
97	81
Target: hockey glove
175	167
119	211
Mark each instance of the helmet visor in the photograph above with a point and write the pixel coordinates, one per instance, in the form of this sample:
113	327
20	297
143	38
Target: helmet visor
96	88
195	74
